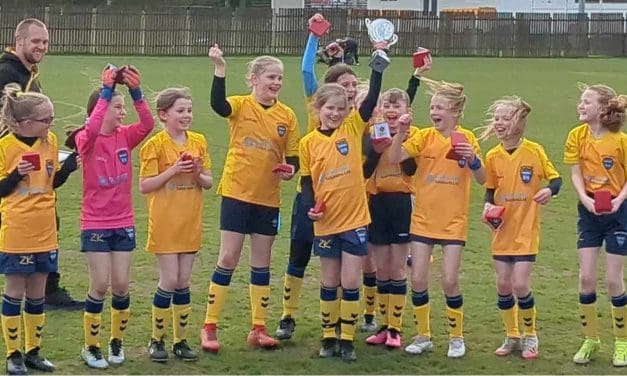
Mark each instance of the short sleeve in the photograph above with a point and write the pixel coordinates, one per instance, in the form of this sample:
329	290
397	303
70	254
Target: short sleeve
571	148
304	158
148	160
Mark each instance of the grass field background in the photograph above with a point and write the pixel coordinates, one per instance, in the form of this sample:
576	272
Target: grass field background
549	85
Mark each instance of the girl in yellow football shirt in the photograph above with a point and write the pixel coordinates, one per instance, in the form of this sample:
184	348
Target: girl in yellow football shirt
332	178
390	188
175	168
516	169
263	134
440	214
29	173
597	152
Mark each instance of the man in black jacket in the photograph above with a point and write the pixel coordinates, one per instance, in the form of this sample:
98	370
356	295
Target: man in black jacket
19	64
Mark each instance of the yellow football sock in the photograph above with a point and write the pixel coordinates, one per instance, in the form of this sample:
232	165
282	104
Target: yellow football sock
160	319
422	320
215	302
370	299
180	314
396	309
119	321
529	321
329	314
588	315
291	294
33	327
510	321
455	322
384	302
259	299
11	331
91	327
619	315
349	313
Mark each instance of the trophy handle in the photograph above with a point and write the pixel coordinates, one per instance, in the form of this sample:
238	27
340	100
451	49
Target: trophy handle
393	40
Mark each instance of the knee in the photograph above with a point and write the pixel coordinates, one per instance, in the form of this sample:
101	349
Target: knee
521	289
450	285
588	282
503	286
98	290
119	289
419	282
228	259
168	283
397	274
615	286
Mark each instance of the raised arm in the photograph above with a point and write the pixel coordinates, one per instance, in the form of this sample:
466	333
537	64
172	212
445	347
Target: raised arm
137	132
370	102
86	137
218	87
310	82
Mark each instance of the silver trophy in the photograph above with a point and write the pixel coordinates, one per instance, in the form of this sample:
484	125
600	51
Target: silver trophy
380	30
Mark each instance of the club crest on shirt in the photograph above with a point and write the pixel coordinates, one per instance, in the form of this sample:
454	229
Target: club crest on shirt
526	173
461	163
49	167
281	129
608	162
342	146
123	156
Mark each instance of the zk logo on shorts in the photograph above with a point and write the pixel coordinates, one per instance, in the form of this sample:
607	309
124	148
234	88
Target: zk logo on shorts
130	232
27	260
324	244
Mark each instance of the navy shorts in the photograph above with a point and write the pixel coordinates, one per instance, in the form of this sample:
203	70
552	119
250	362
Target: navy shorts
17	263
595	229
514	259
352	241
301	228
246	218
391	218
433	241
108	240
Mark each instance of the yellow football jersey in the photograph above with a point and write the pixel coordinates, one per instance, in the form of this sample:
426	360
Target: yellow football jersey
442	185
260	138
603	160
388	177
516	178
334	164
28	214
175	209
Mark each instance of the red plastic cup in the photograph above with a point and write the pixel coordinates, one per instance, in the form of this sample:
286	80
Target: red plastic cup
33	158
420	56
320	28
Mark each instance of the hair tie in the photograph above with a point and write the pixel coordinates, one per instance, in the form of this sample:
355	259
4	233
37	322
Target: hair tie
19	94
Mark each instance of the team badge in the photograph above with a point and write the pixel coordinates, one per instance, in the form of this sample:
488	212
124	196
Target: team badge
461	162
281	129
49	167
526	172
123	156
608	162
342	146
53	256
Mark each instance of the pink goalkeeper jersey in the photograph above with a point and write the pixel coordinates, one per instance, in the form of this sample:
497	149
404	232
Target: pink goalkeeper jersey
108	168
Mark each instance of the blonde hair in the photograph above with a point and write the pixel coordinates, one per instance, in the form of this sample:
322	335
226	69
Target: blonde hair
166	98
521	110
326	92
451	91
18	106
613	106
22	28
261	64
